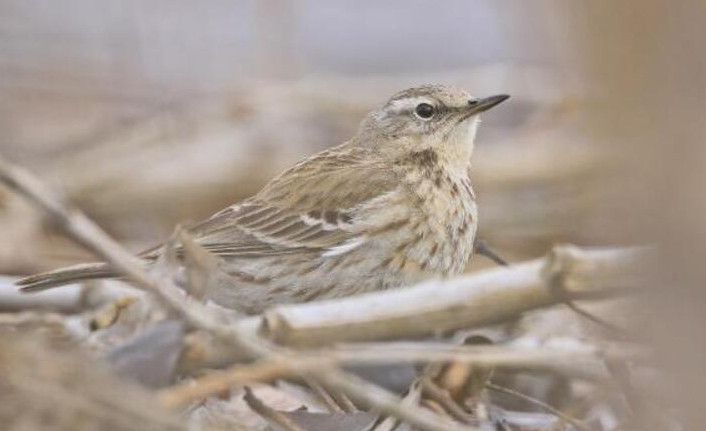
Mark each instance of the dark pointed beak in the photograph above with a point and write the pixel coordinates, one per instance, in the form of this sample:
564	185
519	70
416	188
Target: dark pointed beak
476	106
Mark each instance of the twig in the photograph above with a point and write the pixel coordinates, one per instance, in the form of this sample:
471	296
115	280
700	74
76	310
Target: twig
638	410
378	353
374	397
323	395
491	355
269	413
556	278
67	300
444	399
412	399
219	381
335	400
343	401
367	394
482	248
480	299
541	404
82	230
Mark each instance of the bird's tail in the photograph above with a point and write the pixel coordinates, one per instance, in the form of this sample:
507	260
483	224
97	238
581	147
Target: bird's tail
62	276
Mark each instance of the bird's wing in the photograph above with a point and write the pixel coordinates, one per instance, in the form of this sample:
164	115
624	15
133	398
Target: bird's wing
310	207
255	229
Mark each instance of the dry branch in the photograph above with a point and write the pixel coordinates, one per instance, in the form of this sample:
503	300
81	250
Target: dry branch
479	299
70	299
588	361
67	300
82	230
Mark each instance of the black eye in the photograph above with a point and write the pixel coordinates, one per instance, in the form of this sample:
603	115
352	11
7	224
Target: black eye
424	111
473	102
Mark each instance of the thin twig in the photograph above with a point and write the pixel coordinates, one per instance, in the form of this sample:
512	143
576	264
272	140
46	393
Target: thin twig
638	410
444	399
82	230
346	404
269	413
270	369
367	394
541	404
556	277
323	395
374	397
335	400
486	355
219	381
482	248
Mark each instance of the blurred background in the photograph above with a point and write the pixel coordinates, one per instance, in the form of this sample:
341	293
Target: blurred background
147	114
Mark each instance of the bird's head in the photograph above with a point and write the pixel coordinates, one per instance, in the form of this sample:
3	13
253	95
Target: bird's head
435	117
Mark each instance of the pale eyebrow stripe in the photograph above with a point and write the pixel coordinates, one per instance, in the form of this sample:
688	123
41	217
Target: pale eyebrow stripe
408	104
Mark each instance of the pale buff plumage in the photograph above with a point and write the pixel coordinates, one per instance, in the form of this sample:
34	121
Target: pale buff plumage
391	207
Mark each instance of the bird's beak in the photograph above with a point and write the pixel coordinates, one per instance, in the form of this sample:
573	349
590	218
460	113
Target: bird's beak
476	106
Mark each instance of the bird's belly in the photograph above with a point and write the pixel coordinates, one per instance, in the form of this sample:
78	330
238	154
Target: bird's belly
446	234
444	251
309	277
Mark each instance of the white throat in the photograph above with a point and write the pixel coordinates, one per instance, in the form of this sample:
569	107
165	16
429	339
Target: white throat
461	143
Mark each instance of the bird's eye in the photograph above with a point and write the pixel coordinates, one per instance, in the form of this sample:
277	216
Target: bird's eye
424	111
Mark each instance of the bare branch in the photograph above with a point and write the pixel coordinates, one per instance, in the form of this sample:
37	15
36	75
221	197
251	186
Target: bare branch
82	230
480	299
374	397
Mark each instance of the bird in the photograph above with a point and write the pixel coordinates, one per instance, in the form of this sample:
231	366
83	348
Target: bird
392	206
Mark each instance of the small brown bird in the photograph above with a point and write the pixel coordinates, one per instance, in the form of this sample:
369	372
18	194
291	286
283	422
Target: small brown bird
391	207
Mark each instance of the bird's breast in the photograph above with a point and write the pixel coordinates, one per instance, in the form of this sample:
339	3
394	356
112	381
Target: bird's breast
446	218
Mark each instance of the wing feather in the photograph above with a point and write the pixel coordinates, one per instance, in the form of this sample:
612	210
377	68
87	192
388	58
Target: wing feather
311	207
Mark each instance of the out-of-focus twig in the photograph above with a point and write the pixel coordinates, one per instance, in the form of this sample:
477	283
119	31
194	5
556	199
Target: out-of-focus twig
480	299
81	229
482	248
65	300
563	416
377	353
216	382
324	396
269	413
555	276
444	399
366	394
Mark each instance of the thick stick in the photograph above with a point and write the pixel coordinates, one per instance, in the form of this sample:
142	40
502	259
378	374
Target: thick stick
475	300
